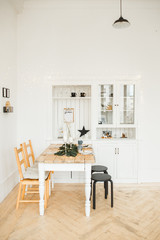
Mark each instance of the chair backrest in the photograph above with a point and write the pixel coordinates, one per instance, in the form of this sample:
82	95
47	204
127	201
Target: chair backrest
29	153
20	157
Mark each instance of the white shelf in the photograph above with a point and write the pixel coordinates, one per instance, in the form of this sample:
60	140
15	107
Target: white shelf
116	139
126	110
106	97
106	110
106	126
71	98
127	97
113	126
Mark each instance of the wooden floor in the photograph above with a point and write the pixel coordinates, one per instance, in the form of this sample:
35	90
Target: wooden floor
135	216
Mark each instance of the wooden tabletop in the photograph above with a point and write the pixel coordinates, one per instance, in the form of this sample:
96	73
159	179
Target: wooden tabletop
48	156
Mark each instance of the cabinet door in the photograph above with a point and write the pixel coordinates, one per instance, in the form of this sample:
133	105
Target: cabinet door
106	156
126	104
126	161
106	104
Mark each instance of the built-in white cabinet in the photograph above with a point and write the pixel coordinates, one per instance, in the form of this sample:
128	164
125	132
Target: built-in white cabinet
126	161
109	110
116	110
120	158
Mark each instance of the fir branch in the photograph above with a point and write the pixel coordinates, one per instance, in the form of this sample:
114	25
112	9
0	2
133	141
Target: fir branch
70	150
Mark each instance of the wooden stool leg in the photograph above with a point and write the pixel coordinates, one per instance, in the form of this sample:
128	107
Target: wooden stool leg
91	190
19	195
111	193
106	189
94	195
23	191
104	182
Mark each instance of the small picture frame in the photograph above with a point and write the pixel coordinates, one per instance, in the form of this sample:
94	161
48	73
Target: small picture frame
107	134
7	92
68	115
4	92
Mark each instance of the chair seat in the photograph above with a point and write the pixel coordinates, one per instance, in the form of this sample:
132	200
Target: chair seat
32	173
100	177
99	168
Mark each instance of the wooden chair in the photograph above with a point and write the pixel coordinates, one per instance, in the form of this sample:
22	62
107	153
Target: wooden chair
29	155
28	177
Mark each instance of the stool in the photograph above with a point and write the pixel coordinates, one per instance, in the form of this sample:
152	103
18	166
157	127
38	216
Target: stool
101	177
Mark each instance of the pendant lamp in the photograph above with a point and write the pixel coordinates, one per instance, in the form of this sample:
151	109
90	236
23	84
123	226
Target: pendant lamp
121	22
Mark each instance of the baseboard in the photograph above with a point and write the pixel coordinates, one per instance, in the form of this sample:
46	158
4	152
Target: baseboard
125	180
8	184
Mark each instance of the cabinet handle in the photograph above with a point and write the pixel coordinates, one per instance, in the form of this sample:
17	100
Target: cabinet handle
115	151
118	150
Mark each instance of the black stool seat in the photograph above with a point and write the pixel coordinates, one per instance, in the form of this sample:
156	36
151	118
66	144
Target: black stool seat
99	168
100	177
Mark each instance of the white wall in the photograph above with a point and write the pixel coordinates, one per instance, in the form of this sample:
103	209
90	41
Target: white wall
76	40
8	133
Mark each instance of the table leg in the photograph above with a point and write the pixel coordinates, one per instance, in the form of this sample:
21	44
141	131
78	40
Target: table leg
87	188
41	188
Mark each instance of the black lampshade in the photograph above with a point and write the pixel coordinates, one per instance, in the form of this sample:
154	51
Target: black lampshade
121	22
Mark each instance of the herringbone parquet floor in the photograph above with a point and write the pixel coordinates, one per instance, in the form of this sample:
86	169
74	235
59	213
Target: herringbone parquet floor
135	216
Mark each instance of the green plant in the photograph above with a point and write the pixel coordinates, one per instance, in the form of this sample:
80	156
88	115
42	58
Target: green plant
70	150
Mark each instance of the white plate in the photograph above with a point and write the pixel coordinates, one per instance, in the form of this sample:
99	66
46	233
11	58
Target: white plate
87	152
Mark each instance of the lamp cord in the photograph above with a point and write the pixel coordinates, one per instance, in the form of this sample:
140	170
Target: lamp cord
120	8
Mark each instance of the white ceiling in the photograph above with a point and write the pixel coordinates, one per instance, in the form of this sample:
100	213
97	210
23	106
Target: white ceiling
19	4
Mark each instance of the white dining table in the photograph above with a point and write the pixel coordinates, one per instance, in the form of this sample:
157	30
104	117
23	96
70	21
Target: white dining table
48	161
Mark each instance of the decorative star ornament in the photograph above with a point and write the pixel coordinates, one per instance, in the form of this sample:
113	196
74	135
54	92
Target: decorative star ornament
83	131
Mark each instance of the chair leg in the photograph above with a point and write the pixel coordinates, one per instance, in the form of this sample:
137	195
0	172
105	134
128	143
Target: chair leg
94	195
19	195
111	193
26	190
23	191
49	187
